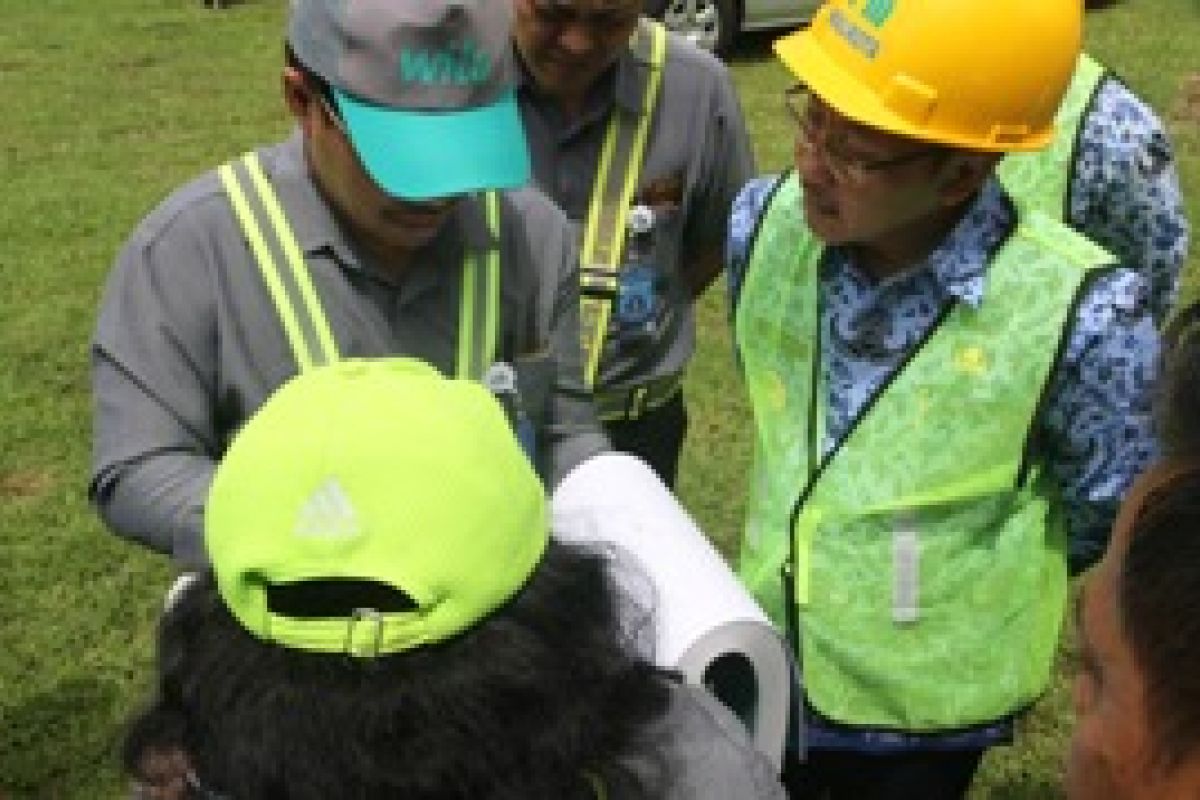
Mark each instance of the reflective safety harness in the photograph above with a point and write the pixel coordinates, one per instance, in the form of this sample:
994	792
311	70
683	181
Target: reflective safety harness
918	563
271	239
616	176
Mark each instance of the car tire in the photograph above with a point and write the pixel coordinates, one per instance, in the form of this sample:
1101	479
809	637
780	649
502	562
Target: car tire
709	24
655	8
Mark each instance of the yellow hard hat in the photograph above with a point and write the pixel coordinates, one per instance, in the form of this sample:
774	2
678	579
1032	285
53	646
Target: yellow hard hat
978	74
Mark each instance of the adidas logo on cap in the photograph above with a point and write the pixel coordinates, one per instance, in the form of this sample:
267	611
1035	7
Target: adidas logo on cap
328	513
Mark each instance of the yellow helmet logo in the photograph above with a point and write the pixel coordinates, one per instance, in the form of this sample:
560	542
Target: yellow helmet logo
877	11
971	360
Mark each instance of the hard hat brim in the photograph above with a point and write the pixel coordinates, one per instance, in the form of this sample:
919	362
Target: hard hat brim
806	57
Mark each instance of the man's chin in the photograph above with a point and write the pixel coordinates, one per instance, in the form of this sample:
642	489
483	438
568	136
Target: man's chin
412	240
404	227
399	242
564	79
828	230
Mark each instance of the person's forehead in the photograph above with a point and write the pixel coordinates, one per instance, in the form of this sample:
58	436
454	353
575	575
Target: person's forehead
853	130
1087	600
1097	618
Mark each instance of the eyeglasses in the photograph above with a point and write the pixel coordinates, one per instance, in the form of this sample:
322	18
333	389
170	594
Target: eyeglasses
560	14
814	138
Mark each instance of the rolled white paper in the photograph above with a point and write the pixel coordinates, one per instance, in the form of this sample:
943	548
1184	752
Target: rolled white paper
701	610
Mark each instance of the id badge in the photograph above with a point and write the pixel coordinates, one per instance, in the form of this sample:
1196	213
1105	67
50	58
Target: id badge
636	295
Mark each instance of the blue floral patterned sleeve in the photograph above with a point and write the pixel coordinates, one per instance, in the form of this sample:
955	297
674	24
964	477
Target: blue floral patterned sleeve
1125	190
747	207
1097	421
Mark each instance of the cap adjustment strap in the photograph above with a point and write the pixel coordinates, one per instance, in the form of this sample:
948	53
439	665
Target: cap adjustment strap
364	633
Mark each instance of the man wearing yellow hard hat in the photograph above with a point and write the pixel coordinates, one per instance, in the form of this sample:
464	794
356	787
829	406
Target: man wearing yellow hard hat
950	394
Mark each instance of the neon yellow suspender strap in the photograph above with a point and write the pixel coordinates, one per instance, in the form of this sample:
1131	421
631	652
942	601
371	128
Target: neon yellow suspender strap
479	302
616	176
308	333
260	213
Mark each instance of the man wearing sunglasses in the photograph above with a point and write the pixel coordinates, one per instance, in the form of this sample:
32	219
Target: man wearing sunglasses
638	136
389	223
950	390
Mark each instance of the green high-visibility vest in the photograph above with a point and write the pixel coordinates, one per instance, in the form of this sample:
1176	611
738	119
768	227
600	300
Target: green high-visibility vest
304	321
616	178
920	566
1041	180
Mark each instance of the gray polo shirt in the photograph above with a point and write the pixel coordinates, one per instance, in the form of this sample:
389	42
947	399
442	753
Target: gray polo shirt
189	344
697	158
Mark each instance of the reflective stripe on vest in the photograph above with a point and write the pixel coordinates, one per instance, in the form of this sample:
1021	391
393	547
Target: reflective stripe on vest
597	785
271	239
1041	180
927	551
616	177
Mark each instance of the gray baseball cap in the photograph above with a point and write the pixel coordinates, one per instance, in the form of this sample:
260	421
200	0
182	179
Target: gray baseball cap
426	89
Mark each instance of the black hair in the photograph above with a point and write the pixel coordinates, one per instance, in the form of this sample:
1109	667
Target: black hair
1158	597
536	701
1179	389
314	80
1159	583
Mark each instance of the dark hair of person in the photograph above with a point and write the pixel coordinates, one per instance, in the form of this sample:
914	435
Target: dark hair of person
1179	393
1159	584
314	80
1158	598
538	700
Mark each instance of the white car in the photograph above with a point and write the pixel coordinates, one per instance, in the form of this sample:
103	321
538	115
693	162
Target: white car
713	24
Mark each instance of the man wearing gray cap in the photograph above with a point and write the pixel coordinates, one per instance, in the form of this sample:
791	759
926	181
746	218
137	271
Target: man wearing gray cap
389	223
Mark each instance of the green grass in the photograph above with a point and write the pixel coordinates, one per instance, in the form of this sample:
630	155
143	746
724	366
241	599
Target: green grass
105	112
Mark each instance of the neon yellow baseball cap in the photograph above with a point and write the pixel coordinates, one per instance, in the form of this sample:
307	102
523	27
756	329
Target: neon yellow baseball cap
373	506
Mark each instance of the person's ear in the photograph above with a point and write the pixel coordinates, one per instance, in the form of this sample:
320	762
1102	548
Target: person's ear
298	95
961	175
163	774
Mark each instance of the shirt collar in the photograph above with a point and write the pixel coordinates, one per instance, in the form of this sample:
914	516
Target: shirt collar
631	85
959	264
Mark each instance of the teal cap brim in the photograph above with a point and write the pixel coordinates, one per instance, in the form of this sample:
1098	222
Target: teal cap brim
420	155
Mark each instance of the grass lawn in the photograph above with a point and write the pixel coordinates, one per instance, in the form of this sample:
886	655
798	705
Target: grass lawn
108	110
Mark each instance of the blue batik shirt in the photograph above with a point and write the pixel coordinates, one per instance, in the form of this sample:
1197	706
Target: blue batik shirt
1124	190
1095	426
